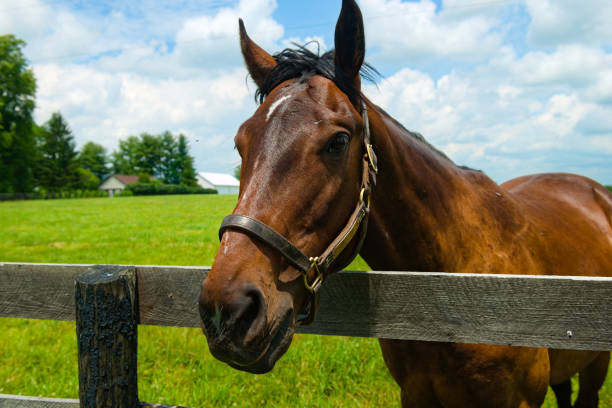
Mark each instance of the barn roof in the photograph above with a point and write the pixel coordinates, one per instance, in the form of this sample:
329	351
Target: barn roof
125	178
219	179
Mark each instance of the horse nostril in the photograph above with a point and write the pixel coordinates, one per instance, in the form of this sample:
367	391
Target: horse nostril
242	317
251	320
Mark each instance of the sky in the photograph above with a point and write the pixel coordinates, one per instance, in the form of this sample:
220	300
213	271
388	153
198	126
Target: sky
511	87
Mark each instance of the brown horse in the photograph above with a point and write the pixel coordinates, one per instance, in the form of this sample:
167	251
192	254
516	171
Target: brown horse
305	188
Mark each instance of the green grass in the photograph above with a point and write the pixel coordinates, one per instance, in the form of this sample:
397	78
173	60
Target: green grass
38	357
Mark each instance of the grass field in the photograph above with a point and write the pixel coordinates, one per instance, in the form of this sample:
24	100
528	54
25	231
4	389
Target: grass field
38	358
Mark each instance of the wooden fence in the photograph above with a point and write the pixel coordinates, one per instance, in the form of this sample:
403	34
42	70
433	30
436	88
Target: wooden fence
538	311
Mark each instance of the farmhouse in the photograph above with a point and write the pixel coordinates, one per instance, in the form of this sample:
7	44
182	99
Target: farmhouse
117	183
223	183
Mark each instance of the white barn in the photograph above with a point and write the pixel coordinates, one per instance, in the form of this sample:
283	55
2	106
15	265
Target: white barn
223	183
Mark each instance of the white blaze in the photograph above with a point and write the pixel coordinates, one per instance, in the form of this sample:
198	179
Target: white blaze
275	105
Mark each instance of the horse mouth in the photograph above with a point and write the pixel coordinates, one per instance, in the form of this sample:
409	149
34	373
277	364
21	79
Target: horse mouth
282	336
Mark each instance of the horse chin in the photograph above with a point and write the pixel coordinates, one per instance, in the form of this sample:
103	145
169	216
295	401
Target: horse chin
278	345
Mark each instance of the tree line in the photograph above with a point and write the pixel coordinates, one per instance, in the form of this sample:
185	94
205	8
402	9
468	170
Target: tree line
44	157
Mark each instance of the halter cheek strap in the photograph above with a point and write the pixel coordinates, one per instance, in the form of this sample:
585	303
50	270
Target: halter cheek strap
324	264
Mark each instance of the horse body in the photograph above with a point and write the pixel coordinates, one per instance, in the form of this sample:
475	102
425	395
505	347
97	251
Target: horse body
302	161
440	217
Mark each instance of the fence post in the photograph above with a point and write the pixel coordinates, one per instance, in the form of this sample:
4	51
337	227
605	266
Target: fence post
107	336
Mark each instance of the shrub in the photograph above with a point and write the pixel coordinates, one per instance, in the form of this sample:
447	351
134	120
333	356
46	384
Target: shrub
50	195
125	193
144	177
163	189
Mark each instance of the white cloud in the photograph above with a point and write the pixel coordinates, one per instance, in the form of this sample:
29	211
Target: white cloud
409	31
487	102
54	33
206	42
106	107
570	65
197	87
514	115
556	22
23	21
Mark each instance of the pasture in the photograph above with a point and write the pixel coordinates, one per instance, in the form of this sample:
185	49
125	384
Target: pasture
39	357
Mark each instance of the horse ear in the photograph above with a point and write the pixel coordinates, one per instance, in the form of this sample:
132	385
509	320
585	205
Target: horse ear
259	63
349	42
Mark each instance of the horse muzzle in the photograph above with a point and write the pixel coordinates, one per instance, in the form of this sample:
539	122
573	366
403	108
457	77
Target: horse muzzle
238	331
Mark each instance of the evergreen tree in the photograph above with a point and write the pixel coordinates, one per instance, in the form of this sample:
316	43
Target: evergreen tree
185	163
188	175
150	155
171	168
58	167
93	158
17	91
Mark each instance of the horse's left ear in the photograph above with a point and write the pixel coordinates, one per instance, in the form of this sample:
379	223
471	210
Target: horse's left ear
349	42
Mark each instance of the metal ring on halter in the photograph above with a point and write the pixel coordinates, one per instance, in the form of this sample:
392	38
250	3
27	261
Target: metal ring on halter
318	279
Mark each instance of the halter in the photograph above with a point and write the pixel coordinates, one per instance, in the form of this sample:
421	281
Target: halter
319	266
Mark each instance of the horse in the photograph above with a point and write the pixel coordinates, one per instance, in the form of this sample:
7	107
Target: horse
327	174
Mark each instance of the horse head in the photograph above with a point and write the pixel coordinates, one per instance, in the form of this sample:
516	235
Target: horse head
303	201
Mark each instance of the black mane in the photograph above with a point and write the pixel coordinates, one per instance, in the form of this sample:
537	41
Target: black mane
303	63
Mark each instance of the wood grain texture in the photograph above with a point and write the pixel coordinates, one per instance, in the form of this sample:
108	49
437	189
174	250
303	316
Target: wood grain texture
491	309
18	401
538	311
168	295
38	291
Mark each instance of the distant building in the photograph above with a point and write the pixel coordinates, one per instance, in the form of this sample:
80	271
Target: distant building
117	183
223	183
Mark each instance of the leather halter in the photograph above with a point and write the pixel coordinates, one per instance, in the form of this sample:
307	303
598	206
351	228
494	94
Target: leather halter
323	264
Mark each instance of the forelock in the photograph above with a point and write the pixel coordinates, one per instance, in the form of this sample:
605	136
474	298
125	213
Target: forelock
301	63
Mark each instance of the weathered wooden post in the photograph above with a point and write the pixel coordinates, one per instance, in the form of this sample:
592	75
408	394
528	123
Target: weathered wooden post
107	335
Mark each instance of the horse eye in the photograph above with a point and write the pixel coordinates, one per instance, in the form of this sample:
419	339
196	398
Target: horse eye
338	143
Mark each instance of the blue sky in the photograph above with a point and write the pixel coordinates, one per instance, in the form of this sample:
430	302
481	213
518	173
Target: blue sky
511	87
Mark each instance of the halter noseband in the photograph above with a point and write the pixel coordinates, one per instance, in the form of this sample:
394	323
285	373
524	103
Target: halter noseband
322	264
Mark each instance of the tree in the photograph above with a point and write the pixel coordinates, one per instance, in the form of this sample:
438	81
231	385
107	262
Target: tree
237	170
150	155
17	91
87	180
188	175
125	160
58	167
170	166
139	155
93	158
164	156
185	163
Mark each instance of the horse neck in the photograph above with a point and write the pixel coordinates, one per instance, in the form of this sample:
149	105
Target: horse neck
426	212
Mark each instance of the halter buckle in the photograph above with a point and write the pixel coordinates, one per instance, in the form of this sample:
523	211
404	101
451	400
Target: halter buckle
314	286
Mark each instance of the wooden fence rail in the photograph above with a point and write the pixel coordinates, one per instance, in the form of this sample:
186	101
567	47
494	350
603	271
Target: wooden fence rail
538	311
